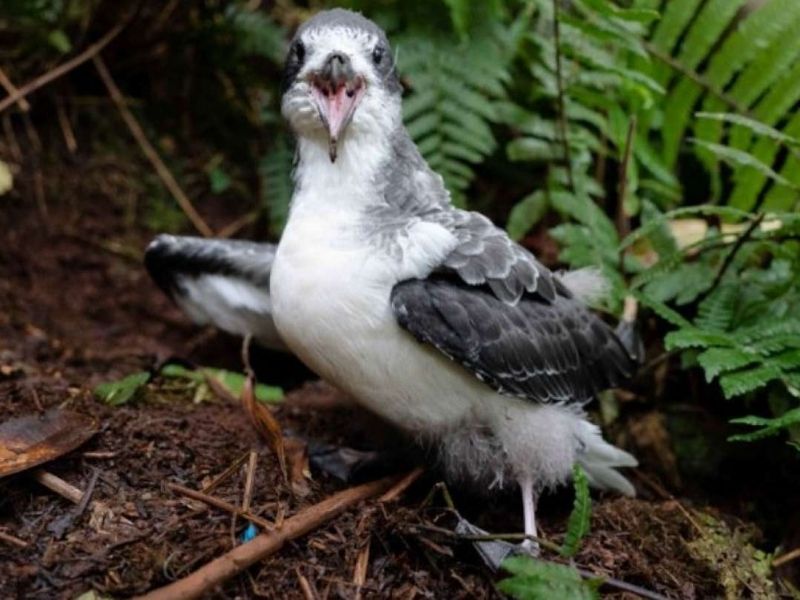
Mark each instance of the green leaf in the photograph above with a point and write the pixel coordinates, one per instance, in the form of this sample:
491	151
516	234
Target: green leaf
539	580
123	390
767	427
525	214
720	360
59	40
739	158
579	518
748	380
230	380
757	127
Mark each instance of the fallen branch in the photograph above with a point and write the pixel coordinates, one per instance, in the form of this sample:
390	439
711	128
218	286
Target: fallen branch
402	485
11	89
219	570
13	540
149	151
221	504
60	70
59	486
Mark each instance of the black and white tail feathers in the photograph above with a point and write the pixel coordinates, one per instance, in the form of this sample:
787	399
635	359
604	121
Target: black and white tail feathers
224	283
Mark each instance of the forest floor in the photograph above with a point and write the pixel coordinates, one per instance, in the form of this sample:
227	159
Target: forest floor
77	309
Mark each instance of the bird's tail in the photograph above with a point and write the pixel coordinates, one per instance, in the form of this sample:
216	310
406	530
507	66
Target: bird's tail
600	460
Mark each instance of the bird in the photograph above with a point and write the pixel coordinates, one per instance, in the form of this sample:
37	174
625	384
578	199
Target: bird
426	314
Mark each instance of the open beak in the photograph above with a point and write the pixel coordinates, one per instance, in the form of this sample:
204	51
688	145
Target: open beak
337	92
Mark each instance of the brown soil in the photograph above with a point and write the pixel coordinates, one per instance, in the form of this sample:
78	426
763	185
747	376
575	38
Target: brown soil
76	309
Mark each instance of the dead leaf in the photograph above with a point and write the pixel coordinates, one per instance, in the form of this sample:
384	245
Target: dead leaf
32	440
265	423
297	462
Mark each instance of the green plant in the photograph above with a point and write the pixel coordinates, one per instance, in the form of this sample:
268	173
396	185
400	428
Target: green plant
540	580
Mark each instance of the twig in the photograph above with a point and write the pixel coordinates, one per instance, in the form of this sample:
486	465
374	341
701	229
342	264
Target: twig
66	127
236	560
58	485
149	151
249	480
62	69
731	256
785	558
221	504
11	89
621	585
13	540
87	495
360	569
237	224
562	111
394	492
309	593
225	474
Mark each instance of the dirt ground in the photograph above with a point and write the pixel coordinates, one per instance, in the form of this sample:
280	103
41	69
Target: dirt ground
77	309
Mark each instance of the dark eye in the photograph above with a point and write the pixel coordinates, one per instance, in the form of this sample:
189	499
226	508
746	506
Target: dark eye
299	51
377	54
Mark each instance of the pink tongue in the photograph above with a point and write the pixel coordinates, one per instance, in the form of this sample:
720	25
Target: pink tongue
336	107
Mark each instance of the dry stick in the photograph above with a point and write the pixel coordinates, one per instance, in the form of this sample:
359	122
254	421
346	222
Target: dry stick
249	480
402	485
235	561
222	504
13	540
10	89
66	127
58	485
785	558
225	474
305	586
149	151
562	111
62	69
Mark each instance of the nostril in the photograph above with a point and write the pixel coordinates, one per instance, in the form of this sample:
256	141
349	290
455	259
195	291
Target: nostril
337	57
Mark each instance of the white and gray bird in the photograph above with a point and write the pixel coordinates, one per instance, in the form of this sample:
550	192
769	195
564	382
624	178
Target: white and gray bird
428	315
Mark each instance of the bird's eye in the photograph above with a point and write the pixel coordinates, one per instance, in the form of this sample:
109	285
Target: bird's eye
299	51
377	54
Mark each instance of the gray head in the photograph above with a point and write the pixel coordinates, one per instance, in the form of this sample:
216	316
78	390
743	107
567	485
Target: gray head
340	77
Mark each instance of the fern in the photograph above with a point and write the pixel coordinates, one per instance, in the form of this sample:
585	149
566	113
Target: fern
767	427
447	112
539	580
274	171
579	518
750	70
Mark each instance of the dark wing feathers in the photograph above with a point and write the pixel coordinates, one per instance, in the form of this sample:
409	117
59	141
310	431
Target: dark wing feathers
546	351
486	255
169	256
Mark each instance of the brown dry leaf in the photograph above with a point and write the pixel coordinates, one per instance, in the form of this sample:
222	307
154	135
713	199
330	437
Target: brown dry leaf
297	463
31	440
265	423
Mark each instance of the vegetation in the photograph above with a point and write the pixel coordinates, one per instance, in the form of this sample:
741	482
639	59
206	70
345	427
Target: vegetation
656	140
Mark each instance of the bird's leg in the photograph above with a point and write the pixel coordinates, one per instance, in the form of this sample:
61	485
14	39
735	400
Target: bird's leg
529	511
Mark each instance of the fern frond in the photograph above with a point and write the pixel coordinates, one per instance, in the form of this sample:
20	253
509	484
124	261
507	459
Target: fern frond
276	186
741	382
716	312
579	518
768	427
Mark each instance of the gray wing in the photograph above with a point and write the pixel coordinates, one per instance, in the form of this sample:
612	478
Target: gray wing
486	255
546	351
224	283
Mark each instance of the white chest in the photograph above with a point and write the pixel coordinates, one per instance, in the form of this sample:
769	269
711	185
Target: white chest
331	290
